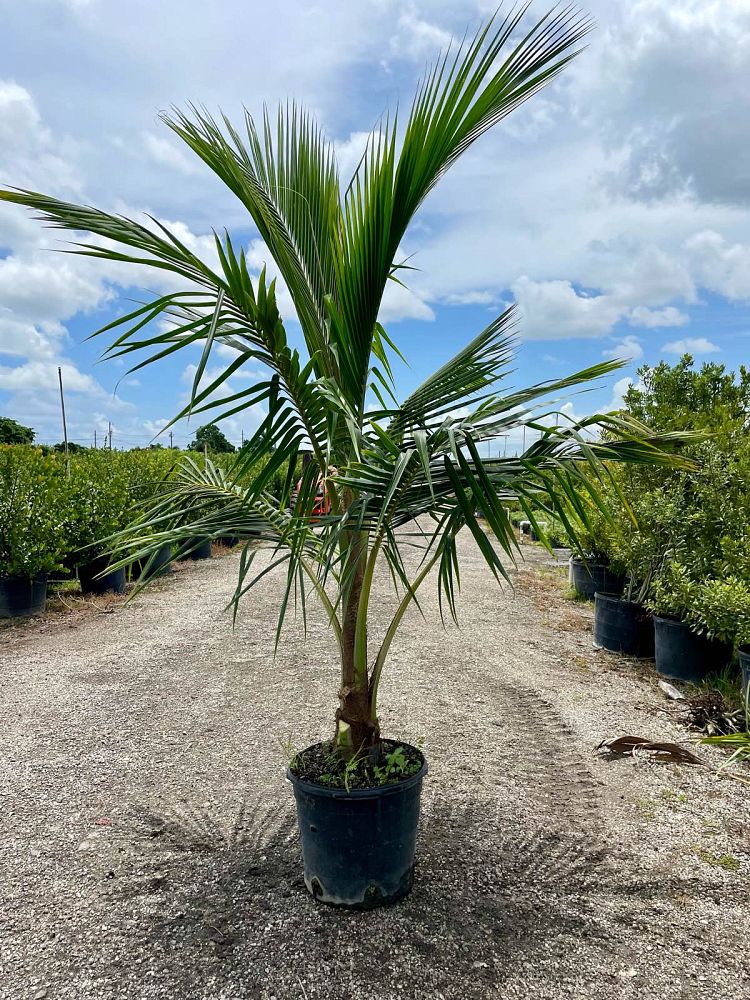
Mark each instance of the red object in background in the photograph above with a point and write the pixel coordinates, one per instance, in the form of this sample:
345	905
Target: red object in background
322	504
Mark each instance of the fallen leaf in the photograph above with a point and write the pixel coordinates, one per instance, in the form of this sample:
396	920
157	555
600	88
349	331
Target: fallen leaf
637	746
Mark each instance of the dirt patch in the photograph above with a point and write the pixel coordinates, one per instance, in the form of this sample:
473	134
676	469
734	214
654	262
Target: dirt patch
67	607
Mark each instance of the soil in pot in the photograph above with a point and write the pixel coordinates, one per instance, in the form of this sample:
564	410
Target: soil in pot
683	655
200	548
21	596
358	845
622	627
92	583
588	577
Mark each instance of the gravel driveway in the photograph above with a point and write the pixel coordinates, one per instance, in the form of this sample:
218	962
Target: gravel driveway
148	846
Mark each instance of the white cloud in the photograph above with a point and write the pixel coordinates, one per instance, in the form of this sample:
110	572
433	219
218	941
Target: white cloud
723	267
168	154
41	376
616	197
349	153
474	298
663	84
669	316
22	338
619	389
691	345
416	38
554	310
628	348
402	303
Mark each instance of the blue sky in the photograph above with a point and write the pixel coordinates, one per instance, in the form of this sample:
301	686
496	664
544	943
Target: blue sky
614	207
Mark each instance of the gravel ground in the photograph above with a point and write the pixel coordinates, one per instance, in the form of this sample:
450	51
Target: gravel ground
148	848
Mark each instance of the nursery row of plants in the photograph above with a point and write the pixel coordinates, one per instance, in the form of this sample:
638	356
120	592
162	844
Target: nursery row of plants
55	514
669	556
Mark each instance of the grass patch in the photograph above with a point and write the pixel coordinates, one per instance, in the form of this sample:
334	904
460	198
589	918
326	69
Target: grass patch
725	861
571	594
647	808
672	797
728	683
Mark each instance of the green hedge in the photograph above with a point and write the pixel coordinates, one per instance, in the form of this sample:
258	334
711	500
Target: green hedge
49	520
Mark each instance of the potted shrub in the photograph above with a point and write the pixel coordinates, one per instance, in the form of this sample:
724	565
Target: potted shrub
592	566
393	474
622	625
622	622
99	503
31	517
695	622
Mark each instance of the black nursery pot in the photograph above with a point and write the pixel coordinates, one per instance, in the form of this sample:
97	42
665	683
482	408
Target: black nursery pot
202	549
622	627
160	559
92	583
684	655
358	847
744	655
21	596
589	577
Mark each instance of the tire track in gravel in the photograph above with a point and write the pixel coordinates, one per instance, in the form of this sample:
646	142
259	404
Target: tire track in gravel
547	757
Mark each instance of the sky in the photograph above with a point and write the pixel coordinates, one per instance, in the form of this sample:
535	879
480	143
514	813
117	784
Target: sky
614	207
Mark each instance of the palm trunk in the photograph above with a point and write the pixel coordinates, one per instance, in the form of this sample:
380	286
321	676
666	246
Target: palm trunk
357	727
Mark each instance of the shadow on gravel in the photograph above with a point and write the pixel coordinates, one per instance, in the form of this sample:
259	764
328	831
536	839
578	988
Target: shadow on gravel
228	906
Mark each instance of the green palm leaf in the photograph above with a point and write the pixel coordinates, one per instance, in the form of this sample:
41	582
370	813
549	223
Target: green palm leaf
381	480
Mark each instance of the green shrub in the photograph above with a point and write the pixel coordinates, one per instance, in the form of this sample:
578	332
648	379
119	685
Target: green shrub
99	502
33	511
718	609
687	551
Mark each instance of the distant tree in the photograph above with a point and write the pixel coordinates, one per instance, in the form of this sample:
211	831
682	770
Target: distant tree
14	433
73	448
210	436
681	397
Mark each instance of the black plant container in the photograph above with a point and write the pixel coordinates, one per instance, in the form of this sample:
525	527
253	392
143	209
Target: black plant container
744	655
588	577
200	549
684	655
358	847
93	583
158	562
622	627
21	596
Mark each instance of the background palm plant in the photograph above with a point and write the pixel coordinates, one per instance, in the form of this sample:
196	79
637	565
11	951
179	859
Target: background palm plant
395	472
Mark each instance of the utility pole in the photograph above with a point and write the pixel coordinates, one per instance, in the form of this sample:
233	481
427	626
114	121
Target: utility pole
505	445
205	453
242	437
524	437
109	433
171	445
65	426
95	439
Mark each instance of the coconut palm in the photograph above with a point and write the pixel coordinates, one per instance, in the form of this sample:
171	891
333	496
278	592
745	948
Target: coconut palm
394	474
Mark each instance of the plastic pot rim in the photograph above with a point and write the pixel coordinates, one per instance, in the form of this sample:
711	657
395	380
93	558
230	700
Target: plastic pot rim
613	598
24	577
